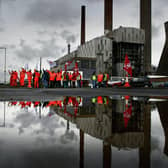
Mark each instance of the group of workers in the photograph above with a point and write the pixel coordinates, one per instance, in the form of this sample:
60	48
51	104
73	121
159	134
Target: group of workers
100	80
46	79
52	79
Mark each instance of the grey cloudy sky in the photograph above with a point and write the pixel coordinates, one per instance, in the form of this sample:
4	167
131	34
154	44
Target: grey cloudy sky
34	28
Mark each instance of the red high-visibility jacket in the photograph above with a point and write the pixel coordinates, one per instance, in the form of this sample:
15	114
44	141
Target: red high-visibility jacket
100	77
37	75
74	76
22	75
59	76
70	76
99	100
29	75
15	75
52	76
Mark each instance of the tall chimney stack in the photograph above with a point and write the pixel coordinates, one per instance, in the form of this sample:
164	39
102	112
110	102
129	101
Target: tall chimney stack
69	48
146	24
163	63
83	9
166	30
108	16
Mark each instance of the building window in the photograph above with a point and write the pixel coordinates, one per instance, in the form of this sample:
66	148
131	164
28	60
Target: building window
98	47
122	36
129	37
84	64
102	46
106	53
93	64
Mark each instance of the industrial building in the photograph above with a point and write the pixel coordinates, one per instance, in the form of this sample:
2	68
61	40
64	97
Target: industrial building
107	52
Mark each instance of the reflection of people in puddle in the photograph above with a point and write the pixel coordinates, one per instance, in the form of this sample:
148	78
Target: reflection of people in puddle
100	100
12	103
128	111
75	101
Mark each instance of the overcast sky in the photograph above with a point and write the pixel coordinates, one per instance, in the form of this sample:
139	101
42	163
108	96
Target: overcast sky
42	28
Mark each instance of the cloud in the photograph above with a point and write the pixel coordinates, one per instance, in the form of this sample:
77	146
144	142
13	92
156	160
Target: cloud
48	48
2	29
25	120
53	12
68	137
46	125
69	37
155	30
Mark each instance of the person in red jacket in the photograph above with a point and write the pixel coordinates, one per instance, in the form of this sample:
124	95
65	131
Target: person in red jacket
52	78
100	100
74	79
100	79
11	78
70	79
36	79
15	78
59	78
29	78
22	76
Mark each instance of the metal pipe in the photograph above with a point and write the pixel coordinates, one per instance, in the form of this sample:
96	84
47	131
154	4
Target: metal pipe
83	9
5	68
4	48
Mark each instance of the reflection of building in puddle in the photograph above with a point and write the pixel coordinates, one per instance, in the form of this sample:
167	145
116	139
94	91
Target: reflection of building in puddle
162	109
122	123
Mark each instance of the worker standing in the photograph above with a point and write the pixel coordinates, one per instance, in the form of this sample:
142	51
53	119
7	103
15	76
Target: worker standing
105	79
94	78
70	79
59	78
15	77
74	79
11	78
52	78
78	78
65	79
29	78
45	79
100	79
22	76
36	79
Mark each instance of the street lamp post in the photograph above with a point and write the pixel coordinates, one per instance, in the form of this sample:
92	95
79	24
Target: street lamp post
4	48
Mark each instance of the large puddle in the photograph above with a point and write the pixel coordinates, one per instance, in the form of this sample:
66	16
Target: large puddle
69	132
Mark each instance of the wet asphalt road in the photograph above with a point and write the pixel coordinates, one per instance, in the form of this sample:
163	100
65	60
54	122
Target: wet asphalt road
50	94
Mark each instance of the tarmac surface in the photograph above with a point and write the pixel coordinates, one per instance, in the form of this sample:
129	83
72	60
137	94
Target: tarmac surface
42	94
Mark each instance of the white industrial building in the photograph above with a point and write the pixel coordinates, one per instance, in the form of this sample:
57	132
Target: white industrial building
107	53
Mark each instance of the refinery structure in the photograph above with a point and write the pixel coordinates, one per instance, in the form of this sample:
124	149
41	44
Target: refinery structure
107	52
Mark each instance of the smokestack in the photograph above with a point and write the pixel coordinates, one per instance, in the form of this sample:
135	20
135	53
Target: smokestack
83	24
69	48
166	30
108	16
145	23
163	63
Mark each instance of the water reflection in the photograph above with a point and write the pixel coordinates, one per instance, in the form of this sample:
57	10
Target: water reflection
162	109
119	122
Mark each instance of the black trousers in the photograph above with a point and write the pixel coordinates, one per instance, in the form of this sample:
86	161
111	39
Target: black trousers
52	84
